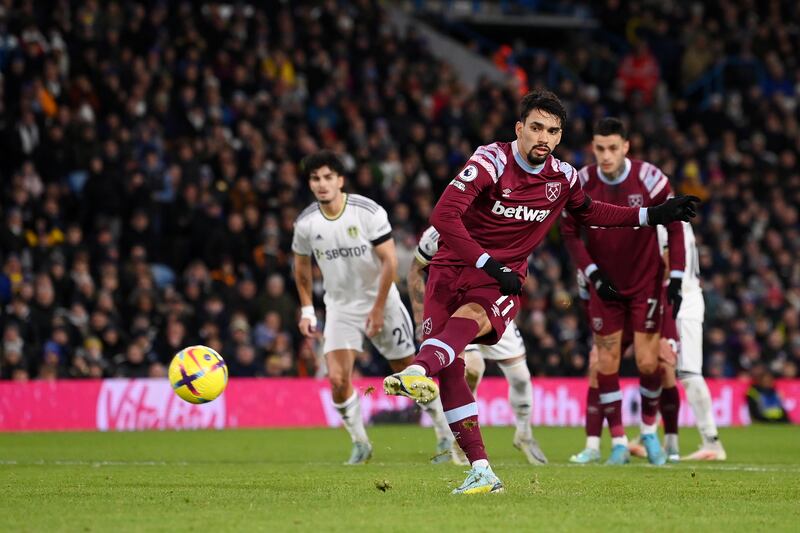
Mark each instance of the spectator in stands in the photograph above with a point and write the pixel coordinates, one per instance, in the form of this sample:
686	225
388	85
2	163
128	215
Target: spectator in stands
149	176
639	73
763	400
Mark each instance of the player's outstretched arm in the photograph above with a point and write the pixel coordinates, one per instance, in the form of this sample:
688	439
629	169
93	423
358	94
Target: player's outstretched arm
416	293
303	279
589	212
678	209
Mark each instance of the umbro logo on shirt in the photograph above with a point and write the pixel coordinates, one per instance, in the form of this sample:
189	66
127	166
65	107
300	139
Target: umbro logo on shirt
318	237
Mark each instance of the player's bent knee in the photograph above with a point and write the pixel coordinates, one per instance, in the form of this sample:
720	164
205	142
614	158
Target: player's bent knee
516	372
647	366
474	363
608	361
474	312
340	382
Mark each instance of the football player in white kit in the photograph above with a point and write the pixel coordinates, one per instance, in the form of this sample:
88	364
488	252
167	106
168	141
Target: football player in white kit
690	351
509	353
351	239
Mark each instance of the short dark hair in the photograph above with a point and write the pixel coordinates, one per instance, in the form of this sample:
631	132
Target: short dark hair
611	126
542	100
323	158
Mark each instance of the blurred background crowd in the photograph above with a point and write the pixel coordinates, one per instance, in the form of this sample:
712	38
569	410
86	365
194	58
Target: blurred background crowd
149	178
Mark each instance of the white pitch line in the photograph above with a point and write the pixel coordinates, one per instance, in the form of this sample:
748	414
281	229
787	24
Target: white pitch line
93	463
702	466
685	466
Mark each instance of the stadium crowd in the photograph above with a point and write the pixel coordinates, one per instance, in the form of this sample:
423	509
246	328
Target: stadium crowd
149	176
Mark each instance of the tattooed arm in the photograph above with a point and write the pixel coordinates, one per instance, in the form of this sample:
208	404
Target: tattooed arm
416	292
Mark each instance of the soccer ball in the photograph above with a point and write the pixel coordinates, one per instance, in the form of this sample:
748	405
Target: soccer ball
198	374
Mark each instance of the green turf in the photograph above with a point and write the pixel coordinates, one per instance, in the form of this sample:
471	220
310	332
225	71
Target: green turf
292	480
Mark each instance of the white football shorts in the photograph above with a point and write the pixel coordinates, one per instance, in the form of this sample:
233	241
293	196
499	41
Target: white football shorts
690	354
510	345
345	330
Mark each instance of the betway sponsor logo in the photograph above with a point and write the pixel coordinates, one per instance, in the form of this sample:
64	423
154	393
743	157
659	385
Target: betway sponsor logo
521	212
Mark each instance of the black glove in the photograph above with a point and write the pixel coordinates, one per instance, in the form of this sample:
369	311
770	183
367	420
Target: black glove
605	289
678	208
674	295
507	278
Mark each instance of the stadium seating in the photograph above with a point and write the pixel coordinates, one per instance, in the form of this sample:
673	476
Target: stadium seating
149	175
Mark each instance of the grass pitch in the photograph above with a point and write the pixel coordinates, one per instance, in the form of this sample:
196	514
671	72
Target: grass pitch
293	480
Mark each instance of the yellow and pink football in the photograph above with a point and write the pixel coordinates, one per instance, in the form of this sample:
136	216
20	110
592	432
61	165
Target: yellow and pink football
198	374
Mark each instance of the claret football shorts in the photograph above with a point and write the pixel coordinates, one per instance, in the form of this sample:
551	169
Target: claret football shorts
450	287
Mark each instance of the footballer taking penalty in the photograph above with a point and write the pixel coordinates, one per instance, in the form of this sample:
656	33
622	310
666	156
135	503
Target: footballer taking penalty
351	239
490	218
509	353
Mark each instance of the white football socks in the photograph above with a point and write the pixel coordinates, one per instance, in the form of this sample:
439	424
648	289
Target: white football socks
619	441
700	401
435	411
647	429
520	394
350	410
593	443
671	441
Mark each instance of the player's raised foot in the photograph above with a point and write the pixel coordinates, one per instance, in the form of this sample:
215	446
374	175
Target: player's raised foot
636	448
443	450
708	452
480	480
587	456
619	455
529	446
361	453
458	456
655	453
411	384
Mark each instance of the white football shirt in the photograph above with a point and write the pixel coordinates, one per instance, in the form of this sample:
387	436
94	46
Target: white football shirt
693	306
344	250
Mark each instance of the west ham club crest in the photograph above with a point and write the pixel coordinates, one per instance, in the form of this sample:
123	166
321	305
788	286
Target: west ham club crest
553	190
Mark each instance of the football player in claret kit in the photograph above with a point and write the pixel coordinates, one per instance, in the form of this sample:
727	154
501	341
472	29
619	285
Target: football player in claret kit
669	402
490	218
508	353
351	239
626	273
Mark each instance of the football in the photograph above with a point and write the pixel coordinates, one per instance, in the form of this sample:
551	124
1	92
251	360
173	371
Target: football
198	374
